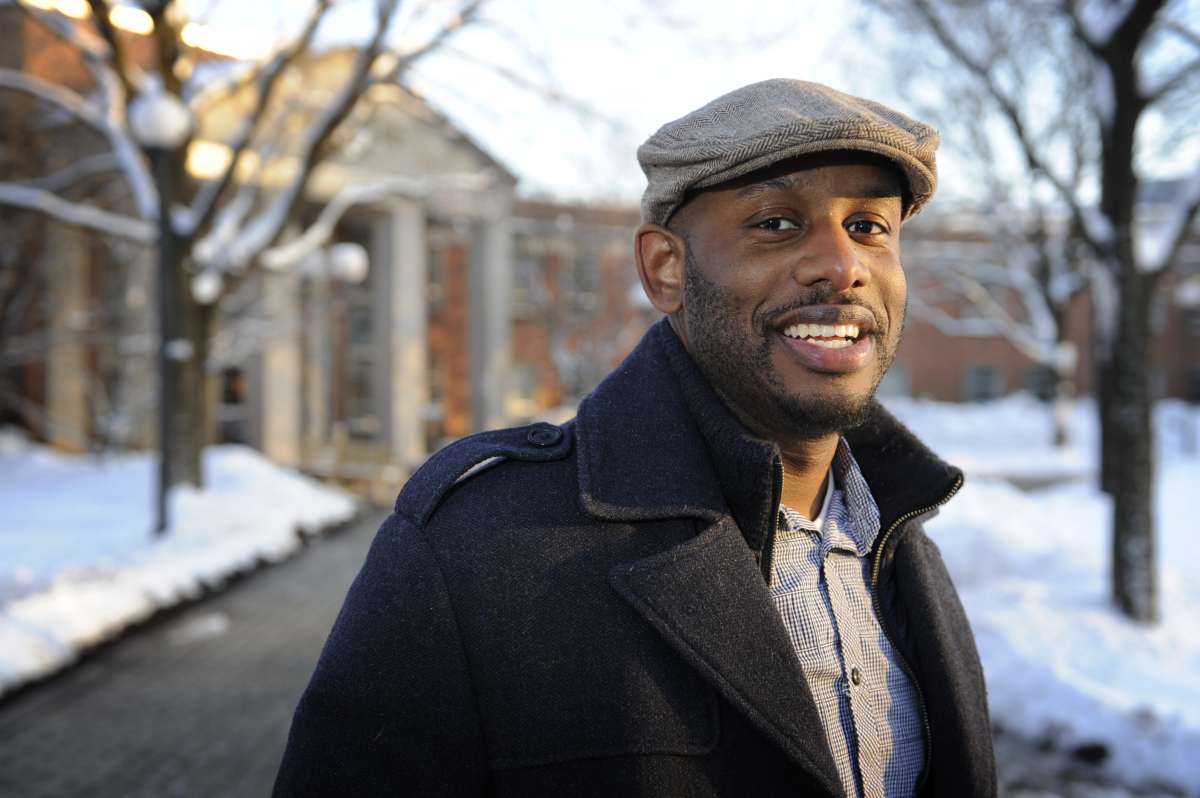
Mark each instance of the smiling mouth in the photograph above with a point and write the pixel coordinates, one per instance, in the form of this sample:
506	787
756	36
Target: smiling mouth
826	336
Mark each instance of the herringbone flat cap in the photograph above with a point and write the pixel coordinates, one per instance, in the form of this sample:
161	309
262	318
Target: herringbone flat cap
764	123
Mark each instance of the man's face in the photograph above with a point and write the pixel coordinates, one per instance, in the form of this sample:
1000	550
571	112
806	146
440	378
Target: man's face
794	295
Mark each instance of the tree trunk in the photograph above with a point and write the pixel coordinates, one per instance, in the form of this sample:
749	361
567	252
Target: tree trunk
1106	310
200	404
1064	392
174	344
1065	364
1127	434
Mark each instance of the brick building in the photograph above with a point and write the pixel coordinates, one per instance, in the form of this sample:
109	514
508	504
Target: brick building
931	363
478	309
336	378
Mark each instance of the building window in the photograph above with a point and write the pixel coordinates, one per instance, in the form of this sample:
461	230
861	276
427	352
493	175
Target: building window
1041	382
983	383
1191	322
435	286
361	416
526	293
1193	385
233	422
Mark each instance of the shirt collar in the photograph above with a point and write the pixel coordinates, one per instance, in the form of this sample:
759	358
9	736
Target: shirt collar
848	504
862	514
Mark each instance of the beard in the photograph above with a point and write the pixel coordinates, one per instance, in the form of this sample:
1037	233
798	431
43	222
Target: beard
739	366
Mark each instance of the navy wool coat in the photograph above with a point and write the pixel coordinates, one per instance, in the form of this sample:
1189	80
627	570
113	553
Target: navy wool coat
582	610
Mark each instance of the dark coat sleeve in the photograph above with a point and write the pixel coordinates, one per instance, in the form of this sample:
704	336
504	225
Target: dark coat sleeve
390	708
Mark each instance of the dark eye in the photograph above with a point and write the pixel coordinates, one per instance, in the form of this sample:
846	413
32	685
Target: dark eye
865	227
777	223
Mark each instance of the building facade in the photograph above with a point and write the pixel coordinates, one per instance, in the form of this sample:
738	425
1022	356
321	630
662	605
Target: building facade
478	309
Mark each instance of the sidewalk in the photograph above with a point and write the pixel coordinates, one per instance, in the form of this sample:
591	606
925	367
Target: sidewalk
199	703
196	705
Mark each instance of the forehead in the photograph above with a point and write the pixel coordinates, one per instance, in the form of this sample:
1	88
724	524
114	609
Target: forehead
840	173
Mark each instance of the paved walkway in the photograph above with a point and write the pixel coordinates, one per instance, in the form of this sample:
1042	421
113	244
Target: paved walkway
198	705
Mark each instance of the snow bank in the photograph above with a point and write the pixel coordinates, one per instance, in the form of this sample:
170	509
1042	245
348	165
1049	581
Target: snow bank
77	559
1063	667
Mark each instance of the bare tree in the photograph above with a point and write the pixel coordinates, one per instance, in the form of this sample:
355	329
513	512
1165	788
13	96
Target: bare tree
1114	62
143	98
1017	283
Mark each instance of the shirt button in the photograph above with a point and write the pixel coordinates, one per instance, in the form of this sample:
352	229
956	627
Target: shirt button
856	676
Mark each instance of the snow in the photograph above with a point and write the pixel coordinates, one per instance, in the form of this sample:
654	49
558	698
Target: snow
1156	242
1063	668
78	214
159	119
77	560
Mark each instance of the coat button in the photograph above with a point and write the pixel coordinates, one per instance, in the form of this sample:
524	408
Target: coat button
856	676
544	435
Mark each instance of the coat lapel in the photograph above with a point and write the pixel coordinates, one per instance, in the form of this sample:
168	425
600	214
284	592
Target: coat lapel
655	442
707	599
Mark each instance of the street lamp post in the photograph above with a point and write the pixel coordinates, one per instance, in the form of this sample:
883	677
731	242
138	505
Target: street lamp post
162	124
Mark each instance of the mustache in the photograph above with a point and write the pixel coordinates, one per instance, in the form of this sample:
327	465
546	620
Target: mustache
819	295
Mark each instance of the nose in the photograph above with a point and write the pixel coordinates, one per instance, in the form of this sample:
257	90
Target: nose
831	254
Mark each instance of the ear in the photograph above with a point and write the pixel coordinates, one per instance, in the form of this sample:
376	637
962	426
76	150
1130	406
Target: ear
660	255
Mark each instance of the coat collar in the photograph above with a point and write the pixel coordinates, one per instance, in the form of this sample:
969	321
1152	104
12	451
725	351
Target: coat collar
655	441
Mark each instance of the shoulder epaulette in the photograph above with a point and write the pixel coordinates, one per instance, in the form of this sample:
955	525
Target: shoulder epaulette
474	454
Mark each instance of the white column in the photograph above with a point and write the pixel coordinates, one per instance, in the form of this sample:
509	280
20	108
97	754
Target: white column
280	381
318	337
66	360
400	257
490	312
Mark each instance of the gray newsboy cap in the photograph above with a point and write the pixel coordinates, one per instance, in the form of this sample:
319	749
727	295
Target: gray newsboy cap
764	123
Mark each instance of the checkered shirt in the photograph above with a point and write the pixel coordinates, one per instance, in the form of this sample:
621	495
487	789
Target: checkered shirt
820	581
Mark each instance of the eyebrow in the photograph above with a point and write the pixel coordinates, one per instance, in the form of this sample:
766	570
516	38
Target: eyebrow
754	189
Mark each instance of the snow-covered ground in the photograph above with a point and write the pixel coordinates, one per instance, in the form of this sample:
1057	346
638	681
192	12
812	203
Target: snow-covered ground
1064	669
77	560
1032	569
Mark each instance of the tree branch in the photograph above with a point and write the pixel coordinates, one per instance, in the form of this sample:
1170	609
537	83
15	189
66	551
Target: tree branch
107	118
1137	21
948	324
295	250
55	95
1008	108
262	231
77	215
1099	30
1173	82
205	205
77	170
466	16
1028	341
118	61
67	32
1188	35
550	93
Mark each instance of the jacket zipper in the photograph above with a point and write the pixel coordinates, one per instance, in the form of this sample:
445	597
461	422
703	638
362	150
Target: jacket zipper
886	626
776	497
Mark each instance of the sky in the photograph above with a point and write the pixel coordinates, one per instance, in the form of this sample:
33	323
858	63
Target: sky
620	69
625	67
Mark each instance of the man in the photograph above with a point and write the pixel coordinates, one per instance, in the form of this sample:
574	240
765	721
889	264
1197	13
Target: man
714	581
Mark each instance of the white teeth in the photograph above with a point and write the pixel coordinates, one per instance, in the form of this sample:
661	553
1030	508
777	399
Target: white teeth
838	332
